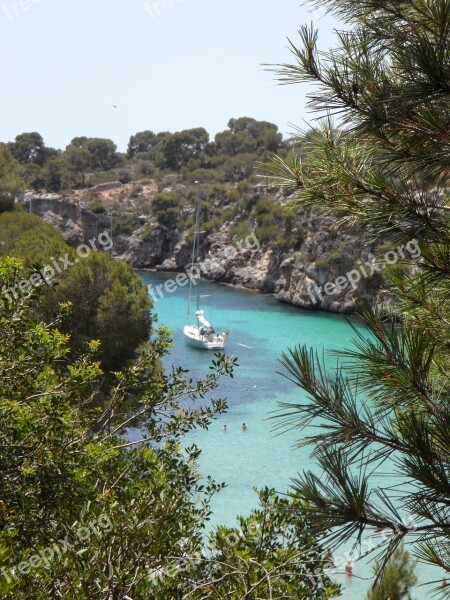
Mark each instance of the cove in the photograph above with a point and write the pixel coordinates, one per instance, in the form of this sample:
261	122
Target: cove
260	329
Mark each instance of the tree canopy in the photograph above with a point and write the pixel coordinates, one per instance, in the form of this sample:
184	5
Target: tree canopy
182	146
87	161
103	152
29	147
11	182
143	141
108	300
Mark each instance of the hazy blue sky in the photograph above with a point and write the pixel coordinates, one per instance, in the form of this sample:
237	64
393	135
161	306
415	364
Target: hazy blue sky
65	63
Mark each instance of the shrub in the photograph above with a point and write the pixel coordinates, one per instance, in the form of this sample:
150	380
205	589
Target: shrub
233	195
212	225
202	175
98	207
147	232
125	224
125	176
90	197
167	204
146	168
240	230
136	190
103	177
270	222
333	258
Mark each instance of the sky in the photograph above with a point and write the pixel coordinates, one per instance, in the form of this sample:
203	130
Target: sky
167	65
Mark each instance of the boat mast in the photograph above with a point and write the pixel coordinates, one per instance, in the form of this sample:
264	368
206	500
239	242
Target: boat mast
197	236
195	253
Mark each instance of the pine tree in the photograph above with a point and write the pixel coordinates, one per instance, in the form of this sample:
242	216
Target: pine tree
397	580
385	167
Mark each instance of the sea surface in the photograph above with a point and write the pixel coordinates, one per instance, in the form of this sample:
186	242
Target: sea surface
260	329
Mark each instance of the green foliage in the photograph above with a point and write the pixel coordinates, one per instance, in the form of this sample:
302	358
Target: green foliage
386	169
203	175
143	141
268	217
386	246
125	223
125	175
29	147
109	300
179	148
147	232
102	152
398	578
57	176
240	230
145	168
97	206
109	303
11	182
246	135
265	134
245	186
148	147
98	177
269	555
27	238
136	190
105	514
231	143
284	172
233	195
274	225
78	162
333	258
230	157
212	225
91	197
34	176
167	205
238	168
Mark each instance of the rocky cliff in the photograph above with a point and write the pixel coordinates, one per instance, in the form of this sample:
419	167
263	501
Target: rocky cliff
76	222
325	271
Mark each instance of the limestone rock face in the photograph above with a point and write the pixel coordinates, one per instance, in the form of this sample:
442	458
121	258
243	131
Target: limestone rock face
77	224
311	276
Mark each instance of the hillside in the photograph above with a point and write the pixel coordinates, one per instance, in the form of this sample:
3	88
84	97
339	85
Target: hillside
149	195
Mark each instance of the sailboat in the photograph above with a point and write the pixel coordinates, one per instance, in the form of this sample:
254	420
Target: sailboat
200	334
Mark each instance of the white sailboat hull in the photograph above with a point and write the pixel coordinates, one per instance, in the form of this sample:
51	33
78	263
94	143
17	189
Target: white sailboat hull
201	334
195	338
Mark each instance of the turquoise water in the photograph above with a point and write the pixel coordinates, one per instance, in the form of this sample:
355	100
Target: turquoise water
260	329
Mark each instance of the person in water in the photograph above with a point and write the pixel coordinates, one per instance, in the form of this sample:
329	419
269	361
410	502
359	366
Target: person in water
225	427
349	569
244	427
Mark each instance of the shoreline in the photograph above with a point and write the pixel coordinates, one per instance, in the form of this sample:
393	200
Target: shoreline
256	291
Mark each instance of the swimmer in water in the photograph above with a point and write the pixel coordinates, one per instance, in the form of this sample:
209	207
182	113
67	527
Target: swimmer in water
244	427
349	569
224	427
